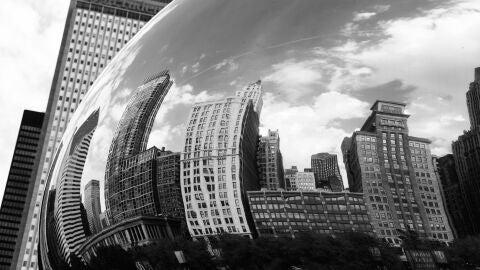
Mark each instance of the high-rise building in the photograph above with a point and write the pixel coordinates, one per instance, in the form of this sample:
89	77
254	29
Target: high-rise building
70	216
94	32
326	170
218	164
168	184
286	213
290	178
130	173
466	153
345	147
304	181
91	201
396	175
452	195
270	161
19	187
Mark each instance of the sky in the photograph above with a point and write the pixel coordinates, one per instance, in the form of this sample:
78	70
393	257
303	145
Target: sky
322	64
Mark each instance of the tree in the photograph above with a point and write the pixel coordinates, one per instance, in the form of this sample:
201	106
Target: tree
465	253
112	258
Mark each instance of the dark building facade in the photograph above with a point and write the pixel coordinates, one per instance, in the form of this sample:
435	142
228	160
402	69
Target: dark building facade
326	171
286	213
452	195
168	184
270	161
19	187
290	178
466	152
127	153
395	173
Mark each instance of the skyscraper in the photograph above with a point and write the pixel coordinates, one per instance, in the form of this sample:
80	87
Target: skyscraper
270	162
91	201
125	194
19	187
218	164
452	195
466	152
168	184
94	32
327	173
396	175
290	178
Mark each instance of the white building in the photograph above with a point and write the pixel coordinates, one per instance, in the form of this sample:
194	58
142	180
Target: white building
218	163
304	181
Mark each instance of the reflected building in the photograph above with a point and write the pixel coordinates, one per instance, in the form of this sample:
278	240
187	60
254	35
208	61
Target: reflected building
290	178
95	31
466	153
218	163
91	201
168	184
287	213
68	209
304	181
396	175
326	170
19	187
130	173
270	161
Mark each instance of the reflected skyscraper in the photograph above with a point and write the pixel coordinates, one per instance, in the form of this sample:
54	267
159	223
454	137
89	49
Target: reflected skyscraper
94	33
91	201
129	194
19	187
270	161
218	163
396	175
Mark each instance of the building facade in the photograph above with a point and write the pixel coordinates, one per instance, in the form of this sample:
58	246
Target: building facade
304	181
168	184
396	175
286	213
91	201
466	153
270	161
290	178
130	173
218	164
452	195
326	170
19	187
94	32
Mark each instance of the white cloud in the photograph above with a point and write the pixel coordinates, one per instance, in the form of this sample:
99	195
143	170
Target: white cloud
363	16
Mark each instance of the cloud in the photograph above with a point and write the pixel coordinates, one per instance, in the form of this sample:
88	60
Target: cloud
363	16
307	129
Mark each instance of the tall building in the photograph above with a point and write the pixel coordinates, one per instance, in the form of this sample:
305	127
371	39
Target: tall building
466	153
168	184
270	161
452	195
218	164
95	30
130	173
326	170
396	175
19	187
345	147
91	201
290	178
286	213
304	181
70	215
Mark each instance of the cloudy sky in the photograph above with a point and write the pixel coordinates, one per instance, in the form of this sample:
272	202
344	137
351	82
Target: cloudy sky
322	64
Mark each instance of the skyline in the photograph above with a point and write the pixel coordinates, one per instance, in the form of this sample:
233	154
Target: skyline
348	67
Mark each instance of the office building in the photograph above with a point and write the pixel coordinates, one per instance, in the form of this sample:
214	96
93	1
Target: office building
452	195
466	153
345	147
286	213
326	170
270	162
94	32
304	181
290	178
130	173
91	201
396	175
19	187
168	184
218	164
